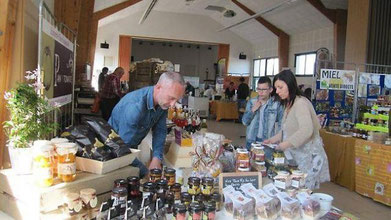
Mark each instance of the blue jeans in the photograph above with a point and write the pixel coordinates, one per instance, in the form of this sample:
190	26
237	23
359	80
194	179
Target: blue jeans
143	169
241	104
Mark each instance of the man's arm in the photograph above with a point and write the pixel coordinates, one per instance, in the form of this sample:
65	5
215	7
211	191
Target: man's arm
159	133
117	87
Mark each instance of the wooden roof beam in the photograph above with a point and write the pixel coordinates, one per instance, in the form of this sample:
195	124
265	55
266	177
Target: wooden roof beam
328	13
114	9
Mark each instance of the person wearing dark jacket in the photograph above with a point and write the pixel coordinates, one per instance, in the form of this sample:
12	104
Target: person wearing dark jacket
243	93
230	90
102	77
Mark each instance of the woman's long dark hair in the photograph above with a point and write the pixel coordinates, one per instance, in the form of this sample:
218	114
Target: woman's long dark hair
290	80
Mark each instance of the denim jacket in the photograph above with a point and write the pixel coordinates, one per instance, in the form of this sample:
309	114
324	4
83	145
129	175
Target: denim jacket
135	115
273	113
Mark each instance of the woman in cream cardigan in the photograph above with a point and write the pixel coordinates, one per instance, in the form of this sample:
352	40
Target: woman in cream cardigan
299	136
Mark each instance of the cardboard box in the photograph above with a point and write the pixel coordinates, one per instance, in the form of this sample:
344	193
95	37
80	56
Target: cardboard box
179	156
99	167
183	142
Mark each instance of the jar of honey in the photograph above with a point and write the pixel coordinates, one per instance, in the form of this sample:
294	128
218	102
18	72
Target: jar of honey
66	161
169	174
56	141
242	159
155	175
43	162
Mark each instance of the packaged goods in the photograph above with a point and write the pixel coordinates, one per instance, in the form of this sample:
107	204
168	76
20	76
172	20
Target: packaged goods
290	208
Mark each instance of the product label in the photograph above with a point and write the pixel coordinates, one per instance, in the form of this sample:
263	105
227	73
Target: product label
243	163
295	183
259	157
280	184
66	168
279	160
43	173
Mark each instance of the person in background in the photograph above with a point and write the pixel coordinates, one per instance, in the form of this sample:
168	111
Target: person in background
111	92
308	93
209	92
263	115
230	90
144	109
243	93
299	136
189	89
102	77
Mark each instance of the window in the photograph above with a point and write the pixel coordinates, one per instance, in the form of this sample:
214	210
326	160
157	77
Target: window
264	67
305	64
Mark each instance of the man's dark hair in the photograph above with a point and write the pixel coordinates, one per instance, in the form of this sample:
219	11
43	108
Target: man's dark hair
265	79
105	69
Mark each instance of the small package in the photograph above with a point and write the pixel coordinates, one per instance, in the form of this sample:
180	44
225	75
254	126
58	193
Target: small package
310	208
271	190
228	201
290	208
282	180
266	208
243	207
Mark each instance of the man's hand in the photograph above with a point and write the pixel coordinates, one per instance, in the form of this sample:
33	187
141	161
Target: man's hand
155	163
256	106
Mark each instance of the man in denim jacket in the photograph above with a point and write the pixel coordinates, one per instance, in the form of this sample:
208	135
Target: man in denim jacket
263	114
145	109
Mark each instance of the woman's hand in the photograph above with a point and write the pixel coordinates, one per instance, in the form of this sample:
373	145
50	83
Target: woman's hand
268	141
283	146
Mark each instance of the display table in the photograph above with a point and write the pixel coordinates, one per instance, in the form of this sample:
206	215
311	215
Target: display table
224	110
340	153
201	104
373	170
22	199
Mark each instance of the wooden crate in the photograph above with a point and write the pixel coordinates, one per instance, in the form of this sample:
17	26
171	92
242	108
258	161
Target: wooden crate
21	198
99	167
179	156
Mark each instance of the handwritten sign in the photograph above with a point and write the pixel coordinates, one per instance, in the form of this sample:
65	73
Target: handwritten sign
238	179
337	79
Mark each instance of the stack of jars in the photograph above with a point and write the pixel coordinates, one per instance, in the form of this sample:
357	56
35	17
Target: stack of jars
258	158
242	160
75	202
55	158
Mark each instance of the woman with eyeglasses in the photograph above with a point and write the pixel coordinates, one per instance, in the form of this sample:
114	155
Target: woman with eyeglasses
299	137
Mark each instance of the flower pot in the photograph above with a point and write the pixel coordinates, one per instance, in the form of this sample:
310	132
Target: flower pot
21	159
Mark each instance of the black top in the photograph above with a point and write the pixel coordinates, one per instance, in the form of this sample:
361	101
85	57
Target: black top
243	91
101	80
229	93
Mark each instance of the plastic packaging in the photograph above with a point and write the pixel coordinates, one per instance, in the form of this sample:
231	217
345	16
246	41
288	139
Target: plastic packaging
290	208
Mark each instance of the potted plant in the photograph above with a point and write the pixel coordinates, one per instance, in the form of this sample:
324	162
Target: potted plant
27	121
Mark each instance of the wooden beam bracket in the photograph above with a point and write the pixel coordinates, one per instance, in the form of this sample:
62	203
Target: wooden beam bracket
328	13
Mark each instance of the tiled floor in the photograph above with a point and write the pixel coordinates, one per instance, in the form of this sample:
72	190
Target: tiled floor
348	201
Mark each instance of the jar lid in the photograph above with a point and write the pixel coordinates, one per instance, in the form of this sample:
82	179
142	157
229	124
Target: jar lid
283	173
39	143
297	173
162	183
185	195
170	171
176	185
156	171
180	208
120	190
242	151
244	169
199	198
256	144
66	148
210	206
69	197
196	207
260	163
59	140
132	179
194	180
118	182
42	146
149	186
87	191
216	196
207	180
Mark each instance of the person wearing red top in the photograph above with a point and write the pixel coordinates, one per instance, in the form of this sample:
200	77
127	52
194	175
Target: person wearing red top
111	92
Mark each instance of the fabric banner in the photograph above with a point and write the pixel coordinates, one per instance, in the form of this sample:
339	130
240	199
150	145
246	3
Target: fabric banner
337	79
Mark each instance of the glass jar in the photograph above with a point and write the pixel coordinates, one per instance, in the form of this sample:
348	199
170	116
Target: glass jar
260	167
56	141
155	175
297	179
161	189
216	197
209	211
170	200
73	203
149	191
242	159
258	154
120	183
176	189
43	162
279	158
119	196
179	212
207	186
195	211
186	199
169	175
134	187
194	185
240	169
200	198
66	161
281	181
88	196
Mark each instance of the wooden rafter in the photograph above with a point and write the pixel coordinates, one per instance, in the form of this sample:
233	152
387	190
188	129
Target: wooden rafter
113	9
328	13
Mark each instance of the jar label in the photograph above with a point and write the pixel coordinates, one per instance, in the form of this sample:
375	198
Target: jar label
279	160
280	184
243	163
296	183
43	173
66	168
260	157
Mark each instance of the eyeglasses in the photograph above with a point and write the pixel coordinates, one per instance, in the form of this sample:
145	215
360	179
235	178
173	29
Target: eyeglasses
261	90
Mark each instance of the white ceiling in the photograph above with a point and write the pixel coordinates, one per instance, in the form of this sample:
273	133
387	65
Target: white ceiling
294	18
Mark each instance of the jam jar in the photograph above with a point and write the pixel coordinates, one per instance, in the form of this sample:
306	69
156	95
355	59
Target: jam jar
73	203
209	211
242	159
282	180
88	196
66	167
195	211
121	183
186	199
200	198
169	175
56	141
170	200
134	187
43	161
155	175
161	189
279	158
149	191
179	212
176	189
258	154
194	185
260	167
207	186
216	197
119	196
297	179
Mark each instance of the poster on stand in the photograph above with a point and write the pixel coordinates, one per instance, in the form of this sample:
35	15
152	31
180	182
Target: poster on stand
337	79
